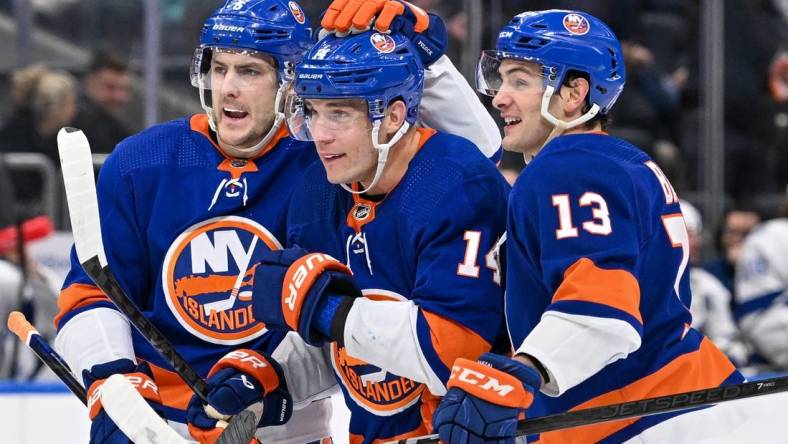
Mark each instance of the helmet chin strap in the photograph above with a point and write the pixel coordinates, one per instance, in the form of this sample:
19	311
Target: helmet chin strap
279	117
559	126
383	153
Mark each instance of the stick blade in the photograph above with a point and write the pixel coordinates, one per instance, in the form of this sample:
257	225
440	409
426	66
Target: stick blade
78	177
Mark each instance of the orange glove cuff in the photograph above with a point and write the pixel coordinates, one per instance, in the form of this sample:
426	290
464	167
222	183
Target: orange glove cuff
142	382
251	363
299	279
489	384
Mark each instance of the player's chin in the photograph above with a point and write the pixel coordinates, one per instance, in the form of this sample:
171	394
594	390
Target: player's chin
235	135
511	142
337	174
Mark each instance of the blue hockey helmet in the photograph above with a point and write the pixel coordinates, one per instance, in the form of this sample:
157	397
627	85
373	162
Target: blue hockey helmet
377	68
560	41
274	28
277	28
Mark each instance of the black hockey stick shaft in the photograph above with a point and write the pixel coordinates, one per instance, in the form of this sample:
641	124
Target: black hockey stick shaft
28	334
106	281
643	407
79	180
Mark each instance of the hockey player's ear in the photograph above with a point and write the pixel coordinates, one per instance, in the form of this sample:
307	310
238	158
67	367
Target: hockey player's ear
396	114
574	95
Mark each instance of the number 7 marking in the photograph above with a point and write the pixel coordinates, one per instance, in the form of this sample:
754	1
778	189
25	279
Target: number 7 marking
677	233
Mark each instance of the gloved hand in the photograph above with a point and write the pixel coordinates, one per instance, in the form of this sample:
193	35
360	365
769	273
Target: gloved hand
426	31
102	429
238	380
300	291
484	400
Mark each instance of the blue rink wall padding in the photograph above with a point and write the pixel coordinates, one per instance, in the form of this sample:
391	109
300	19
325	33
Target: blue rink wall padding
23	388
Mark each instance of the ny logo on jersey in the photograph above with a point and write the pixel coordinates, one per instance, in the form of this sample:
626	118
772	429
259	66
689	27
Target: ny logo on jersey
208	274
214	254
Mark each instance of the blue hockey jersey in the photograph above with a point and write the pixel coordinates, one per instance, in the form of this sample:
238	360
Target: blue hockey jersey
420	257
182	225
598	284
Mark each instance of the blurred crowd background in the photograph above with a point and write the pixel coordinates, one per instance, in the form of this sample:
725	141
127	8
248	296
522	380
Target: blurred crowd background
706	96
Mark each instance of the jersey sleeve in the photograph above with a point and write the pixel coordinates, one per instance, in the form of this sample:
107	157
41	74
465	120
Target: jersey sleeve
90	329
445	92
574	222
456	305
761	294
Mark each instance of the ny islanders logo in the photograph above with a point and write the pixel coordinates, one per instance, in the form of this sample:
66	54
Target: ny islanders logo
297	12
576	24
207	277
372	388
382	42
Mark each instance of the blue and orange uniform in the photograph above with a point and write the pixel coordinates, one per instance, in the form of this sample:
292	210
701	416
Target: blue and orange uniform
420	256
598	284
182	225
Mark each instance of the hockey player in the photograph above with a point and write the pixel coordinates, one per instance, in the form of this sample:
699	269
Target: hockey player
762	292
596	281
413	212
187	207
711	301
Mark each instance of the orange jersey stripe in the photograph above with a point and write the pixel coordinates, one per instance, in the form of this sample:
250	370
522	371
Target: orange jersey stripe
584	281
704	368
76	296
173	390
452	340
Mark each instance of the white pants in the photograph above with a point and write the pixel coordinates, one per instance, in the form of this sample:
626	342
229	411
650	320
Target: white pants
760	420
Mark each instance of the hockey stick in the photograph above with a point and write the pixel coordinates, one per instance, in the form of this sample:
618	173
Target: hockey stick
30	337
122	402
133	416
77	166
643	407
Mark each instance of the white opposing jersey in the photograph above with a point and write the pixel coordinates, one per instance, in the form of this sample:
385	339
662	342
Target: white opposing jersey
761	296
711	314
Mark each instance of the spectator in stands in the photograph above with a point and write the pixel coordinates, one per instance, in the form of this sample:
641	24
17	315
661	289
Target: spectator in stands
44	102
737	223
106	93
24	285
711	301
762	293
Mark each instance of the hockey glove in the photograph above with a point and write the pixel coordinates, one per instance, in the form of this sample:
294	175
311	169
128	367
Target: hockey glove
102	429
485	400
300	291
426	31
240	379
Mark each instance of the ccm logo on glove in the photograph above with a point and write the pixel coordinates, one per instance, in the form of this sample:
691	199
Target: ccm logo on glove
489	384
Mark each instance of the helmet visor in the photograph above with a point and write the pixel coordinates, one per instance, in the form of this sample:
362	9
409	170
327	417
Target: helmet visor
243	69
296	118
332	114
496	71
